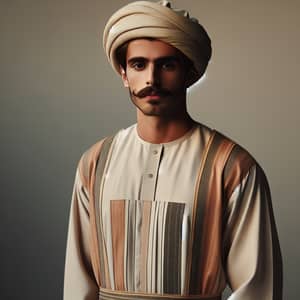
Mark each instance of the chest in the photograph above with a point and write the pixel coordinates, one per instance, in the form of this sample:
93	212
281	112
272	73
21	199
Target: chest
152	172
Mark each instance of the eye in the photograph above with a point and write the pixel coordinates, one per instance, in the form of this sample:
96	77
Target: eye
169	65
138	65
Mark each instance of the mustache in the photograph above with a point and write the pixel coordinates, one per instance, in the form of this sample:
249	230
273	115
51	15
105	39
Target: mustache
150	90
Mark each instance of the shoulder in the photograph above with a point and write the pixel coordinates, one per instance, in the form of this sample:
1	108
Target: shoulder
89	158
88	161
238	164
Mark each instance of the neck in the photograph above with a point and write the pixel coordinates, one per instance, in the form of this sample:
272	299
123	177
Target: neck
155	129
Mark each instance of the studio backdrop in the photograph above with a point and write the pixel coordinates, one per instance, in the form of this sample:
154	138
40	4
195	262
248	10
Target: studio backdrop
59	96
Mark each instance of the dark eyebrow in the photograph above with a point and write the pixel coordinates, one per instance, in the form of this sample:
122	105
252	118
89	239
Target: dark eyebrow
135	59
158	60
168	58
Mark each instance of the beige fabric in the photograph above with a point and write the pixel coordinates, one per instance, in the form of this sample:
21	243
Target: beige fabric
158	20
248	240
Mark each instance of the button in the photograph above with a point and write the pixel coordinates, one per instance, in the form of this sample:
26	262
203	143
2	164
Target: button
150	175
155	151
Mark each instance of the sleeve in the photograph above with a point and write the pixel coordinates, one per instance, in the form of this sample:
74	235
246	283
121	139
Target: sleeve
79	279
253	258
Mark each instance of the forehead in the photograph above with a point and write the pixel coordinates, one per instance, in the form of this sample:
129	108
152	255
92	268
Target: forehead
150	49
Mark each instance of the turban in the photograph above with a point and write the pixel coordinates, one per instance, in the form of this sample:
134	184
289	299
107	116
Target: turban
145	19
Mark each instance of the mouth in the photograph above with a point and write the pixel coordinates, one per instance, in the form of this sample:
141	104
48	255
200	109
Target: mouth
153	97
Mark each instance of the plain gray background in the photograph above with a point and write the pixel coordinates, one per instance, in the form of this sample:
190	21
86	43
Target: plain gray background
59	95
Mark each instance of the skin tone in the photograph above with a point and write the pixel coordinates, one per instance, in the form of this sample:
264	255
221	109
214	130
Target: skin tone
157	79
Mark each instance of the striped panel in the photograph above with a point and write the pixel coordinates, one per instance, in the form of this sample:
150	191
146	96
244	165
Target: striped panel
87	167
105	294
211	250
103	264
149	258
206	227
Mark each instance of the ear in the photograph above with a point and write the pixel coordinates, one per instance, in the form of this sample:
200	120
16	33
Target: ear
124	77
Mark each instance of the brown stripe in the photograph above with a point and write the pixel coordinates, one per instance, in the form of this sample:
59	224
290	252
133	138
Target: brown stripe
239	163
211	253
117	208
106	294
145	243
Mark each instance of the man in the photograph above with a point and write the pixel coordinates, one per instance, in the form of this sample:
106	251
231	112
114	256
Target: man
168	208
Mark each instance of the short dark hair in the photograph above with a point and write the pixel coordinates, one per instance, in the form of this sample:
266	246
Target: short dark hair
121	53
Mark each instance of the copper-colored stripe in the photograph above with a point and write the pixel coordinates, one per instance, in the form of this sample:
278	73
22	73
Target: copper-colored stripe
238	165
117	209
212	224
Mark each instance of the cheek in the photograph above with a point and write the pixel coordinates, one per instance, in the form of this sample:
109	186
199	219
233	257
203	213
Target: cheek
135	82
175	82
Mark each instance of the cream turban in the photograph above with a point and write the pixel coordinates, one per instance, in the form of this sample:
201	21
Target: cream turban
158	20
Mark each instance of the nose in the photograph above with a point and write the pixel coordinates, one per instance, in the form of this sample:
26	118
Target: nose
152	75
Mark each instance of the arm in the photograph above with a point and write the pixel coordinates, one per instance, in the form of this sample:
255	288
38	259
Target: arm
79	279
252	253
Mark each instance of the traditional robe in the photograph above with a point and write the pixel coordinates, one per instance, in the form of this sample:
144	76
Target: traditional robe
157	240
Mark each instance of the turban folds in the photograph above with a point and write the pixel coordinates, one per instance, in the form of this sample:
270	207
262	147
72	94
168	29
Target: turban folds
144	19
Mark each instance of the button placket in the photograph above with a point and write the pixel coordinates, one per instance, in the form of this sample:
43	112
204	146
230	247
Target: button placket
149	179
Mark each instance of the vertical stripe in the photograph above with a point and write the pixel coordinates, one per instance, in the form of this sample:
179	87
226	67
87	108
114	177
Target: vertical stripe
105	279
145	243
87	171
192	247
117	210
186	228
172	248
219	149
239	163
130	245
236	168
211	252
126	254
163	238
154	248
138	237
160	245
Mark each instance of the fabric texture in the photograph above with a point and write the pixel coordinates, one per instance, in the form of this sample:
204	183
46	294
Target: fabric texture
150	240
158	20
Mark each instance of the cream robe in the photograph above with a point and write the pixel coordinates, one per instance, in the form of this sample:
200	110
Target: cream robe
147	200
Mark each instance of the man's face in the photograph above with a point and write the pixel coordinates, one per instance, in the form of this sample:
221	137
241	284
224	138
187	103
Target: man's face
156	77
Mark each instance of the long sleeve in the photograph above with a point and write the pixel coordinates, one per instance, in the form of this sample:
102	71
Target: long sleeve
79	280
253	260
